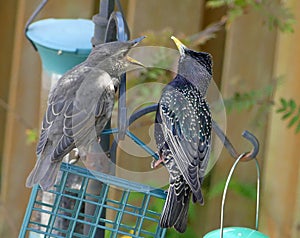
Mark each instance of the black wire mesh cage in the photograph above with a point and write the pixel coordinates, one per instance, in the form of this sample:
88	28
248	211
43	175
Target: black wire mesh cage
128	206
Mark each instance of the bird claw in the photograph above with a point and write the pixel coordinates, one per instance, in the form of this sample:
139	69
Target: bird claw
76	156
155	163
152	165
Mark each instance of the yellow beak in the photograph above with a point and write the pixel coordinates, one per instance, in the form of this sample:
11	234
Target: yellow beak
181	47
133	61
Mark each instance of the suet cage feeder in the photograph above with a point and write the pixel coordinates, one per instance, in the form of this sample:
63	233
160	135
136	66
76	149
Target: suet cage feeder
127	218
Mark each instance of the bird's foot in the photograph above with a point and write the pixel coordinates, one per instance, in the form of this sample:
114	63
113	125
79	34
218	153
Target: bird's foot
155	163
74	157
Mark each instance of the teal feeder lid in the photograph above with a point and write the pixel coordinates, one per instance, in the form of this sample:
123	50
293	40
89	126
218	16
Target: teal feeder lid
236	232
62	43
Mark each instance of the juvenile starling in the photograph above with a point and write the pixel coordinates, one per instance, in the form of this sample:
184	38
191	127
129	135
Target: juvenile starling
183	134
79	106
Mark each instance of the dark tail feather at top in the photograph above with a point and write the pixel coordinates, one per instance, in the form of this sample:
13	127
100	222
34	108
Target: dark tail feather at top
175	212
44	173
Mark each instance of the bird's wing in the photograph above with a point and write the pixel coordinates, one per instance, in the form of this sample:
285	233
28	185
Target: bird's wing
186	127
60	98
70	123
93	104
53	113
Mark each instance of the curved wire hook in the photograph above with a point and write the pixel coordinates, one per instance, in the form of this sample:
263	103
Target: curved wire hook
240	158
232	151
254	141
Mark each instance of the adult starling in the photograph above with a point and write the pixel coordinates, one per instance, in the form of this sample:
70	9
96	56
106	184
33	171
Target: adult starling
79	106
183	134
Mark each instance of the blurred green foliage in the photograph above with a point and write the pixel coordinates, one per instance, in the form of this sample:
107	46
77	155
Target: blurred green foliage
31	136
291	112
274	13
260	100
247	100
247	190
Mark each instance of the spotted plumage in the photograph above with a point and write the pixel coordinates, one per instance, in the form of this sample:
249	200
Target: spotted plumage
79	107
183	134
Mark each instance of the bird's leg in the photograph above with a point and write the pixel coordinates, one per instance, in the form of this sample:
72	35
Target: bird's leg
74	156
155	163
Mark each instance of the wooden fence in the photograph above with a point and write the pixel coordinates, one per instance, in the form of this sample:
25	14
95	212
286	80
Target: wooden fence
247	56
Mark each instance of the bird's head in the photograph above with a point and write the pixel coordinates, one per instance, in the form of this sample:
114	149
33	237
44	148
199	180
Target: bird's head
113	57
194	66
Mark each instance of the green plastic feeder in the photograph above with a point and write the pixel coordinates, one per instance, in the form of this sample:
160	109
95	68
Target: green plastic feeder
236	232
61	43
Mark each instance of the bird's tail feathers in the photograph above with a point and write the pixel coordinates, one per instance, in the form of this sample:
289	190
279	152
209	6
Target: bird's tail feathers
44	173
181	222
198	197
174	212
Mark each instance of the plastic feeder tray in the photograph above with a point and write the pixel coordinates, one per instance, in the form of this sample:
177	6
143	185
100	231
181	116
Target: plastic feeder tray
126	218
236	232
62	43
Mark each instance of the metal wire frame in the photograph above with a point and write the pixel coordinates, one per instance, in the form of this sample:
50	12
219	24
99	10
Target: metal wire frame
226	188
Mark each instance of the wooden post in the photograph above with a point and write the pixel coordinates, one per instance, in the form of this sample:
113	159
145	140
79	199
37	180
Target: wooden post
168	13
281	183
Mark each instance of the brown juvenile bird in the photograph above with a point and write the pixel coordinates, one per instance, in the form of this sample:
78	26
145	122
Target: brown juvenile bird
79	106
183	134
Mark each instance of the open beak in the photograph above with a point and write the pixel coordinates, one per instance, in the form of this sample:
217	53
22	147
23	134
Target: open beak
181	47
134	43
133	61
137	41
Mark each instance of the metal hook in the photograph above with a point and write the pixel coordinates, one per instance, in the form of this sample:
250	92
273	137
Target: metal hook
254	141
31	18
232	151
